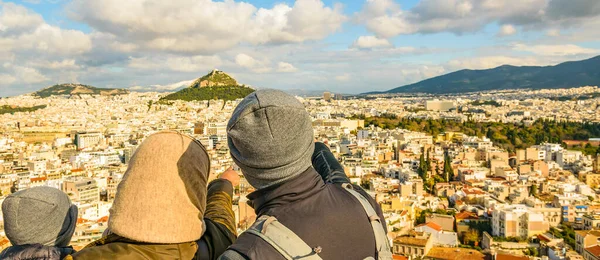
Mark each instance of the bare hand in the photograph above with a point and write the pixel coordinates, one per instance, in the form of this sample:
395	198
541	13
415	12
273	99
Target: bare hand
232	176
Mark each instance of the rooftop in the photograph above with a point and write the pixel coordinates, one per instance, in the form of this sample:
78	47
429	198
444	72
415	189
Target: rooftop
413	241
466	215
594	250
432	225
455	253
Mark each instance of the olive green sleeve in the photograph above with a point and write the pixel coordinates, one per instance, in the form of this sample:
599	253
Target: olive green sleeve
219	218
219	204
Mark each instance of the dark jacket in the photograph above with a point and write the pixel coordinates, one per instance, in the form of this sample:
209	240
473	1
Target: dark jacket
220	232
322	214
35	252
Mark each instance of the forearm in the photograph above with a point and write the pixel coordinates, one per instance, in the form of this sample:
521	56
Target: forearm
219	204
327	165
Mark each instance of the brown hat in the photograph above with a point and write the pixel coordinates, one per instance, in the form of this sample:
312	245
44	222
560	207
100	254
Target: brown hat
162	196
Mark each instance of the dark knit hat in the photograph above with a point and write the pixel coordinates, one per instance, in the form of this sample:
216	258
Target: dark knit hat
39	215
270	137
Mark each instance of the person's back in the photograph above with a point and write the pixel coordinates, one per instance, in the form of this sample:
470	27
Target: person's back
39	222
271	139
163	208
323	215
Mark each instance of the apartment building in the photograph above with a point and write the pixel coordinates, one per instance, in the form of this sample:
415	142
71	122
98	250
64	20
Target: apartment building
518	221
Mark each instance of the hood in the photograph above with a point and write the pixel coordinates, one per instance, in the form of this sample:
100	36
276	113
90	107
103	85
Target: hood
162	197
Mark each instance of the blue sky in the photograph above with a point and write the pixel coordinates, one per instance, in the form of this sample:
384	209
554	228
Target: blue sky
340	46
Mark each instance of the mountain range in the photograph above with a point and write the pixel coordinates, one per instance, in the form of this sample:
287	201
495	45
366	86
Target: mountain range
78	89
565	75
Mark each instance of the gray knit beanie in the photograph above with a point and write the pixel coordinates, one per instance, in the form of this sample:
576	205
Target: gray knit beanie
270	137
39	215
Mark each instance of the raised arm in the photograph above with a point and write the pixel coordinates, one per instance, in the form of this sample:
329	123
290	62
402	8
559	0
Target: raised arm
219	219
327	165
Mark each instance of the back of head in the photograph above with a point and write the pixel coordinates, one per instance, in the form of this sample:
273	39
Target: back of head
270	137
162	196
39	215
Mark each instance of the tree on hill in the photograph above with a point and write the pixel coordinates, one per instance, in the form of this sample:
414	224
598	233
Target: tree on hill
12	110
209	93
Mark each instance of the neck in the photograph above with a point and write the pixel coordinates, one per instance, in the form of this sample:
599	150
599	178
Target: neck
304	185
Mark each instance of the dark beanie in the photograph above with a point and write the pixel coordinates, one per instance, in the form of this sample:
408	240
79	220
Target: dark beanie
39	215
270	137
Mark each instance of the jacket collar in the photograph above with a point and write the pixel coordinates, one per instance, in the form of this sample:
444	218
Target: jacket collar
35	251
301	187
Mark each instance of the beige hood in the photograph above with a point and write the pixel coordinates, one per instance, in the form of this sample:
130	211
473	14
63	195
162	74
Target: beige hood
162	196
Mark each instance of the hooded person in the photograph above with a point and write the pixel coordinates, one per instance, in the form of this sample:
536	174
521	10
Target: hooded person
163	209
301	213
39	223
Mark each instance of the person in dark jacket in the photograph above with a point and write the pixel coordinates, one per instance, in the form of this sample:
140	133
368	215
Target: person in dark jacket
163	209
271	139
39	223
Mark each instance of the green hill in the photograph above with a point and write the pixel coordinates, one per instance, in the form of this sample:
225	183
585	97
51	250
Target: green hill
78	89
565	75
214	78
214	85
14	109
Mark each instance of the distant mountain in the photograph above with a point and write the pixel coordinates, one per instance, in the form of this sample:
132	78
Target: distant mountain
214	85
565	75
78	89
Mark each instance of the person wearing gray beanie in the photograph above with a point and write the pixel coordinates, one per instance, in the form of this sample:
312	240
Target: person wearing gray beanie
270	138
301	189
39	222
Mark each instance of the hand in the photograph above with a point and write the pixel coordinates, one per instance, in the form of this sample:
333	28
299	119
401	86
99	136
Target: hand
232	176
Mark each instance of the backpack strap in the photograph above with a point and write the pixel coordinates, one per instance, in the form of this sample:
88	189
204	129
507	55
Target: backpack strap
381	241
231	254
285	241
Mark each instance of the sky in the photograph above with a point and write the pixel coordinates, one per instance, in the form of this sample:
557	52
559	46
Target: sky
340	46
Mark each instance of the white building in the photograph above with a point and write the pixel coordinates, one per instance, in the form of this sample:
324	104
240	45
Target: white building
87	140
439	105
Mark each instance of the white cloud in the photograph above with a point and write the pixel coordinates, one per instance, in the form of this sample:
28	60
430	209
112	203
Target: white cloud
487	62
198	63
370	42
507	30
56	65
286	67
15	19
203	27
386	19
553	33
142	63
30	75
555	50
166	87
251	63
34	52
24	30
343	77
6	79
194	63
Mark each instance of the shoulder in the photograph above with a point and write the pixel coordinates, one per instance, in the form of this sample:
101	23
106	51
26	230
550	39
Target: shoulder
108	251
252	247
115	251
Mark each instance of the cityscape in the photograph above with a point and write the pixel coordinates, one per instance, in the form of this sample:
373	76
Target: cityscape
300	129
443	193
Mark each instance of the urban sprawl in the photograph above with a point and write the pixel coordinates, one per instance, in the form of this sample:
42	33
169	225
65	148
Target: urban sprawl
445	194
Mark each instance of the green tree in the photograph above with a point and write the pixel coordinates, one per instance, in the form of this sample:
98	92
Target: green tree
533	190
448	171
471	237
